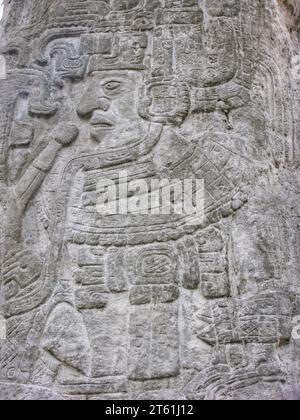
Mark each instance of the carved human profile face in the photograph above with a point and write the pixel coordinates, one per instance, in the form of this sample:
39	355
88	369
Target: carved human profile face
110	104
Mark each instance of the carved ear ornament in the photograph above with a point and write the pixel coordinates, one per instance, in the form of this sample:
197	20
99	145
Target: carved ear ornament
165	101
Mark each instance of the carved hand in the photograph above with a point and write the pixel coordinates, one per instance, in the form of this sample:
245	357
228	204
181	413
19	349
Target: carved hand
65	134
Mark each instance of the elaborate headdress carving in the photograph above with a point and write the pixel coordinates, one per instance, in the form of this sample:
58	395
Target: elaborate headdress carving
109	51
169	40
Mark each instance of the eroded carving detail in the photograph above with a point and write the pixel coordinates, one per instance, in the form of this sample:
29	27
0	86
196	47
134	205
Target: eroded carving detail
148	306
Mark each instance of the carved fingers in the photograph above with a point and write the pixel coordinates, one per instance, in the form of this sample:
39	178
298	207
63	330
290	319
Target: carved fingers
65	134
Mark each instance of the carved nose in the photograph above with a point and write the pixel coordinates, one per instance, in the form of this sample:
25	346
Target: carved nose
89	104
104	104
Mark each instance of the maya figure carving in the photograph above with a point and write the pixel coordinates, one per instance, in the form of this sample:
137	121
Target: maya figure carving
145	304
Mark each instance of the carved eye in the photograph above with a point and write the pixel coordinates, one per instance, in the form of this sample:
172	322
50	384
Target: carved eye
112	86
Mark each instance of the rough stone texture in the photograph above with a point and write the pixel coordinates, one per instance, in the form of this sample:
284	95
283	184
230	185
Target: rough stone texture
150	307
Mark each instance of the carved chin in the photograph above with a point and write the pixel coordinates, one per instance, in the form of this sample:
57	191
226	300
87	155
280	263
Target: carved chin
100	134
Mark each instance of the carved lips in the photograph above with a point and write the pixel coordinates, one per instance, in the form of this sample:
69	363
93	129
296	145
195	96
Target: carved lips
102	123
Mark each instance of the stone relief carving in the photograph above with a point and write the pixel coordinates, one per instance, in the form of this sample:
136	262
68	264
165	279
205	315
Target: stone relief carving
148	306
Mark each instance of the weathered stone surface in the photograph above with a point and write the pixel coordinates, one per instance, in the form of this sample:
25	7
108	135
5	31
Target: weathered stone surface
149	306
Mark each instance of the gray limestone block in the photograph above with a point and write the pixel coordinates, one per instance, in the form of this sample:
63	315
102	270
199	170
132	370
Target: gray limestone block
149	200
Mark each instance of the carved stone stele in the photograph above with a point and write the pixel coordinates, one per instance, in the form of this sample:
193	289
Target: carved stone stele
148	305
